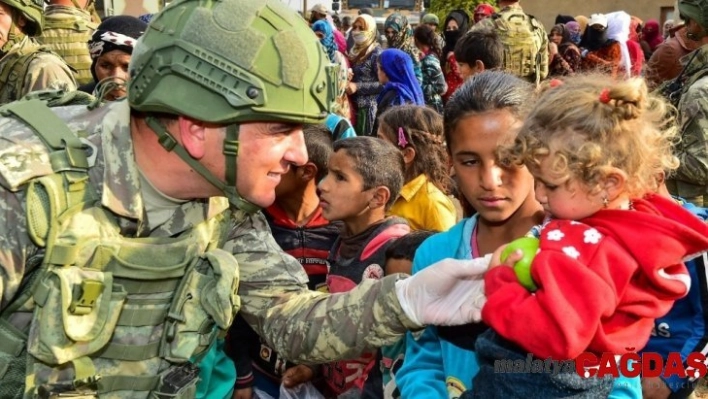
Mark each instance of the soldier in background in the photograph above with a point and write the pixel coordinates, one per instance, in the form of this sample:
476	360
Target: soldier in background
121	252
25	65
525	41
68	26
690	89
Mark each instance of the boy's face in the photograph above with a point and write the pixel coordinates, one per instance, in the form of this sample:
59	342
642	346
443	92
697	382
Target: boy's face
342	195
394	266
466	70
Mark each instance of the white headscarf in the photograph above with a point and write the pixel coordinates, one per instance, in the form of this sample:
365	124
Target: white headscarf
618	29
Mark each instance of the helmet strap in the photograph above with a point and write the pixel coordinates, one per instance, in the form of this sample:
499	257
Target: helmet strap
230	152
14	35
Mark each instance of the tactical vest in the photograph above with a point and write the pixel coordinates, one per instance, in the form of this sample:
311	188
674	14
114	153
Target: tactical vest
521	35
13	70
68	36
110	315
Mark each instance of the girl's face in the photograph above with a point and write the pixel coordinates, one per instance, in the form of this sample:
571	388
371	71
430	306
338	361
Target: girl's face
496	192
342	195
556	37
563	197
383	79
452	25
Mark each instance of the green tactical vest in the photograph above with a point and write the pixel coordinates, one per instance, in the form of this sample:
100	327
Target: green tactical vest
113	316
68	36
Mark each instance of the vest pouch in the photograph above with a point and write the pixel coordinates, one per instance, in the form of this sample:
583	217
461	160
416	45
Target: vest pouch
177	382
189	328
75	314
220	299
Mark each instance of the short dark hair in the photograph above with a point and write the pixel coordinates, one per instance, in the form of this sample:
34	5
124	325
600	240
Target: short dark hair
347	21
483	45
378	162
318	141
404	247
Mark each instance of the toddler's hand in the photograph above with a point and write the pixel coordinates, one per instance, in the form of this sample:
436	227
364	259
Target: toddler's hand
509	261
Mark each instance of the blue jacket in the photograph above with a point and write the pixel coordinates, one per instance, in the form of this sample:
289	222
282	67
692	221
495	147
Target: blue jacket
683	329
435	367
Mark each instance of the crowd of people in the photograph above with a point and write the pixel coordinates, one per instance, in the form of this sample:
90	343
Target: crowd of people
268	206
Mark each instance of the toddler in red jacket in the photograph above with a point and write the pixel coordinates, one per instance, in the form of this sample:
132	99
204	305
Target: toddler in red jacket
610	257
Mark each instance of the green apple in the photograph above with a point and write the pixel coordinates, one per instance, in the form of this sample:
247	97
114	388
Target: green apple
522	268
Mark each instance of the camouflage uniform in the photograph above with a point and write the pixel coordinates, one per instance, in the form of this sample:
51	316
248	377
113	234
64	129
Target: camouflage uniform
67	31
137	348
303	325
28	67
690	181
540	46
25	65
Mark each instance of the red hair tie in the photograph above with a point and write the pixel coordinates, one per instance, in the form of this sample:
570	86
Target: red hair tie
555	83
605	96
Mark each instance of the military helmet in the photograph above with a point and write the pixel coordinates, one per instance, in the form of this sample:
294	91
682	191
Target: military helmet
33	11
231	61
696	10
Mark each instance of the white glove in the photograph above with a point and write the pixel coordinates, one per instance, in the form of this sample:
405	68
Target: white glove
449	292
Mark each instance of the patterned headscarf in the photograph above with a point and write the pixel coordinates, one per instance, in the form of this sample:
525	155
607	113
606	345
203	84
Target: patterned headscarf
360	50
403	31
327	41
120	32
398	67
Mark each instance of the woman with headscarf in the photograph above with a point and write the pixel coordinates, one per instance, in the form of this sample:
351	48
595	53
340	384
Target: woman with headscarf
582	20
434	85
483	11
564	55
457	23
651	37
636	54
111	47
399	35
364	87
325	33
599	52
400	86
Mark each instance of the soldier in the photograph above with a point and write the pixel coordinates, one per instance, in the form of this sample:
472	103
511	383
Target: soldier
68	26
124	228
525	40
26	66
690	181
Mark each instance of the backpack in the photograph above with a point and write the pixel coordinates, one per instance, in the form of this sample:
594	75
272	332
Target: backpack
523	38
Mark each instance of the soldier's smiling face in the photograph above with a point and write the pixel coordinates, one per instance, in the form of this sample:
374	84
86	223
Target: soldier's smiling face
266	153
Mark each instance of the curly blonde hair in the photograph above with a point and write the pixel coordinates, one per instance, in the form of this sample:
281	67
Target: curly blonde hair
591	124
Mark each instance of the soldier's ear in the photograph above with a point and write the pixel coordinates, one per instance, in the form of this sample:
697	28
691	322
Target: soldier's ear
192	135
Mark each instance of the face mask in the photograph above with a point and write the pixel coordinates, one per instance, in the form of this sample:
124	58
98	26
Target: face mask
575	37
359	37
451	36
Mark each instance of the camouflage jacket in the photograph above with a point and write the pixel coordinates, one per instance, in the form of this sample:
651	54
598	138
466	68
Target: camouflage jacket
303	325
67	31
29	67
691	178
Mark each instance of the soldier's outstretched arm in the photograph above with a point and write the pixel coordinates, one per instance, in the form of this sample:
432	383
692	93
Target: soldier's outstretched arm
303	325
692	150
314	327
